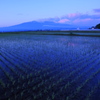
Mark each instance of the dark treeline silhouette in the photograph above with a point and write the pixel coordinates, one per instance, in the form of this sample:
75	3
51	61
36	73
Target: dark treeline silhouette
97	26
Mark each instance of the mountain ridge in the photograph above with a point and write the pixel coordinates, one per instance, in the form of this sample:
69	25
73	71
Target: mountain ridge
35	25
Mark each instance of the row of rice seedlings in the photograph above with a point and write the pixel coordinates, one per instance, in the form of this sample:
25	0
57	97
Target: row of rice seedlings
86	53
25	92
60	80
13	63
40	95
55	83
92	91
53	77
15	60
93	66
81	75
16	96
2	83
78	68
7	85
38	85
83	84
20	89
23	83
80	61
13	81
5	68
12	69
50	69
7	74
19	56
28	82
47	73
16	55
35	96
88	59
58	67
42	83
22	62
77	78
49	79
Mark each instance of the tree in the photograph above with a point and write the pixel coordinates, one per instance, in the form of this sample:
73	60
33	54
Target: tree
97	26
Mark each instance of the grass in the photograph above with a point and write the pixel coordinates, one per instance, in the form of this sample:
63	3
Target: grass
57	32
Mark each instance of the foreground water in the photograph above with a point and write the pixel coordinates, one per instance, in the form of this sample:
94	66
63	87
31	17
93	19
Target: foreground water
49	67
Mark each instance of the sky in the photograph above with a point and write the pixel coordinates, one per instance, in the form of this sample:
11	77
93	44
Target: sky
76	12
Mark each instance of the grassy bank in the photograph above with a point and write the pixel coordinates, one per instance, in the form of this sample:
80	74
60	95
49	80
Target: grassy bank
63	32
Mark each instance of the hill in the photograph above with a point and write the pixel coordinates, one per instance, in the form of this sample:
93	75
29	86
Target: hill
34	25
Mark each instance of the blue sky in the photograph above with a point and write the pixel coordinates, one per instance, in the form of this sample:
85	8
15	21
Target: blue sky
78	12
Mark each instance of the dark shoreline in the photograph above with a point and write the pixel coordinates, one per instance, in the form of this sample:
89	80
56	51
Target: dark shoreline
88	30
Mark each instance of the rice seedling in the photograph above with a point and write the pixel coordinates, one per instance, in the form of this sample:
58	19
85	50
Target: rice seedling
53	96
92	91
2	83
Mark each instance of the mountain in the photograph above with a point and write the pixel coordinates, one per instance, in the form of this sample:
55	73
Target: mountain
34	25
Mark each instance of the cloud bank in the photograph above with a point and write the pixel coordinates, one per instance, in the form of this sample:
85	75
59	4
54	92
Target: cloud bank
76	19
97	10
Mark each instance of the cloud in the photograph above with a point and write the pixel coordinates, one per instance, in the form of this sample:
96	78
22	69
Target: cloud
73	15
76	19
63	20
96	10
82	20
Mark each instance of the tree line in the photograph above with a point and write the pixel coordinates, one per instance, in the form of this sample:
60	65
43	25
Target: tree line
95	27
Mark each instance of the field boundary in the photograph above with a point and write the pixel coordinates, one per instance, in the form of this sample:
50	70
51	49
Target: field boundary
57	32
